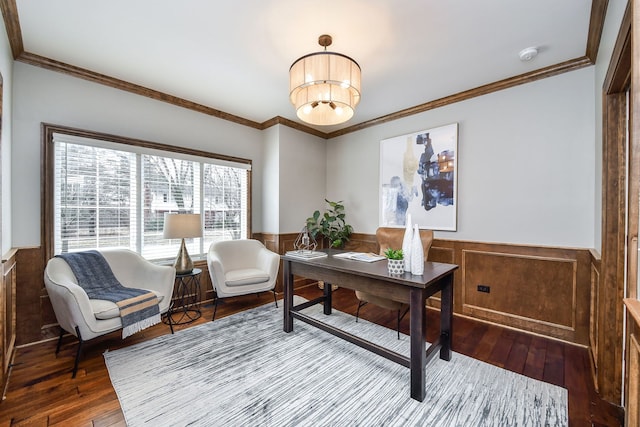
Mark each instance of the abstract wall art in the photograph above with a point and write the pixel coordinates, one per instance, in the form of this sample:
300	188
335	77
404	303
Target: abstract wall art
418	175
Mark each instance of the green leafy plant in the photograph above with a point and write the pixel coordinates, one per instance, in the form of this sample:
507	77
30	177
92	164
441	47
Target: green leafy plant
393	253
331	225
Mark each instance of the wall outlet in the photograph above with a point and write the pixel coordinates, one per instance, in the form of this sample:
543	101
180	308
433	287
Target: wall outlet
484	288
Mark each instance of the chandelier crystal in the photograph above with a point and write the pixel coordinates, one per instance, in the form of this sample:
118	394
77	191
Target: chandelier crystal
324	86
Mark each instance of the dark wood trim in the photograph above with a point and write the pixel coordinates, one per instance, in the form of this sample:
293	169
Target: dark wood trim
542	73
279	120
81	73
609	285
12	24
550	71
596	25
101	136
598	11
632	335
631	53
619	71
611	289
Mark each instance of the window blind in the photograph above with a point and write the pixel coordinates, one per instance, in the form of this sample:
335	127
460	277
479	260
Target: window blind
108	195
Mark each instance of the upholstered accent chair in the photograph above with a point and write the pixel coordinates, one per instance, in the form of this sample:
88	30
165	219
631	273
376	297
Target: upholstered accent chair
241	267
90	318
389	237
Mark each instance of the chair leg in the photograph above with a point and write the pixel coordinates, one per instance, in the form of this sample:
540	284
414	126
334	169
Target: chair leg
360	304
400	318
215	307
275	298
78	352
170	320
59	341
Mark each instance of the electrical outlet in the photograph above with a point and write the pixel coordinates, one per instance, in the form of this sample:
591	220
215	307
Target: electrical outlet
484	288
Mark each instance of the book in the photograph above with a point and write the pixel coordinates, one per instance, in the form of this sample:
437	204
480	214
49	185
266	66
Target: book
306	254
361	256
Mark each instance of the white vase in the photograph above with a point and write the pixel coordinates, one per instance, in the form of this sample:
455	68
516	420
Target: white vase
417	253
406	243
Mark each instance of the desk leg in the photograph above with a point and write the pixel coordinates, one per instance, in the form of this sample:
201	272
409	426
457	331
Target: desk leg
327	298
418	326
446	317
288	297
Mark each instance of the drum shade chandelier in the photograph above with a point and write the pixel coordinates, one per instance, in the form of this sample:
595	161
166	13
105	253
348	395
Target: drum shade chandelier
324	86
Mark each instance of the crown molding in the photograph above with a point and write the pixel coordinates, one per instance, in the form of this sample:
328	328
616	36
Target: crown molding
10	13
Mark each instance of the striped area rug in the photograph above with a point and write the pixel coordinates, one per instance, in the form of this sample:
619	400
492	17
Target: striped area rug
243	370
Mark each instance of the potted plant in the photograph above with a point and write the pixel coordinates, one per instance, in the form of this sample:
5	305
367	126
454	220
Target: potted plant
331	225
395	261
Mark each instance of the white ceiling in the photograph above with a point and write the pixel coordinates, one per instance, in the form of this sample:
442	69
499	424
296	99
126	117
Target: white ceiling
234	56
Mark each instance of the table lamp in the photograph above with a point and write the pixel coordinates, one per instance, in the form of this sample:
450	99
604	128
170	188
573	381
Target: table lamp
182	226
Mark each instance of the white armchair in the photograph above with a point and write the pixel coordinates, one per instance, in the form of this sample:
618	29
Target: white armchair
89	318
240	267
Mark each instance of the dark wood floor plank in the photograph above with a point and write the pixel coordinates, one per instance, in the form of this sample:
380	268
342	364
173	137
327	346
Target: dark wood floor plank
485	346
501	350
42	393
554	364
518	354
575	363
470	337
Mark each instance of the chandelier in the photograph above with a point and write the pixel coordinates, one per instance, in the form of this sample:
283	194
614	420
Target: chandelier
324	86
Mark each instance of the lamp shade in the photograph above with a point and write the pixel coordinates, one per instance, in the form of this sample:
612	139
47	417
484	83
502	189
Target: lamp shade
178	226
324	87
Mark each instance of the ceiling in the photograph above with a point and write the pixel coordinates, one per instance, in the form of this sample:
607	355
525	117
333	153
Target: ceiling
234	56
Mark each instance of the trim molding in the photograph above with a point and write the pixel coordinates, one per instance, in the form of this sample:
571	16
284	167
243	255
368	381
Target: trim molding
12	23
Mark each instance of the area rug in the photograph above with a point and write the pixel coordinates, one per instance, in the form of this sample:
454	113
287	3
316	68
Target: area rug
243	370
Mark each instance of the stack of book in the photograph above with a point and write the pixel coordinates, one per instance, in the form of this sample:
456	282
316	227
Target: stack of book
302	254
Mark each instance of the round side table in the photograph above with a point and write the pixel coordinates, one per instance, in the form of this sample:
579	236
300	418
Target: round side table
185	304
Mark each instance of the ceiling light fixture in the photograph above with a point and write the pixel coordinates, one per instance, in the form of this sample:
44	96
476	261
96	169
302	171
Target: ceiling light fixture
324	86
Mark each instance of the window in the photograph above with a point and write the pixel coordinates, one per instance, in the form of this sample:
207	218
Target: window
110	194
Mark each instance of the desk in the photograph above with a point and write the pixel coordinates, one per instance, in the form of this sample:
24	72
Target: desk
375	279
185	303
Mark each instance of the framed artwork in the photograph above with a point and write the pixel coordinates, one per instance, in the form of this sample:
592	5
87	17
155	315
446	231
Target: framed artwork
418	175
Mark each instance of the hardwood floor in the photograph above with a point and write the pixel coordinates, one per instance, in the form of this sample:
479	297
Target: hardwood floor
42	393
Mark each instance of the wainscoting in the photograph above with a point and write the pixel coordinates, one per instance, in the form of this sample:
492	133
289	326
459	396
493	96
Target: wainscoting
8	315
632	404
541	290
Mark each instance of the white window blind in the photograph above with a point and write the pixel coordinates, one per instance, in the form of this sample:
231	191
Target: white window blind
112	195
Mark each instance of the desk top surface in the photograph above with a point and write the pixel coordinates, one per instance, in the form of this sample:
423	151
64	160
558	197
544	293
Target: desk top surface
377	269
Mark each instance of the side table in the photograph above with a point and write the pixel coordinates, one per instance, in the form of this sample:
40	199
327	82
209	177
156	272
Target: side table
185	304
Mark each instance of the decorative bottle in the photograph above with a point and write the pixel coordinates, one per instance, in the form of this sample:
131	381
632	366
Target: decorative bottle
417	253
406	243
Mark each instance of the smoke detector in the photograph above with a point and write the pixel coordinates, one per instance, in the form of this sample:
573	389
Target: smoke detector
528	54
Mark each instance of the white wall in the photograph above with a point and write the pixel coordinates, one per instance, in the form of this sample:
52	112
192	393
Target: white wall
525	164
45	96
302	178
271	179
6	68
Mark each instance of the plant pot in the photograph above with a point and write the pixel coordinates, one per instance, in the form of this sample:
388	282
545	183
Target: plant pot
395	266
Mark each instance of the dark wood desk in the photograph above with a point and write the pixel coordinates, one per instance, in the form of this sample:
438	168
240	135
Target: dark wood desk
375	279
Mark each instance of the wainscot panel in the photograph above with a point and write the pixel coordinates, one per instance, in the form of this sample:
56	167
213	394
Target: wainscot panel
536	289
632	374
8	315
594	314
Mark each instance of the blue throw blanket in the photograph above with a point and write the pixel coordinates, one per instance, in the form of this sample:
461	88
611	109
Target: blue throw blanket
138	308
